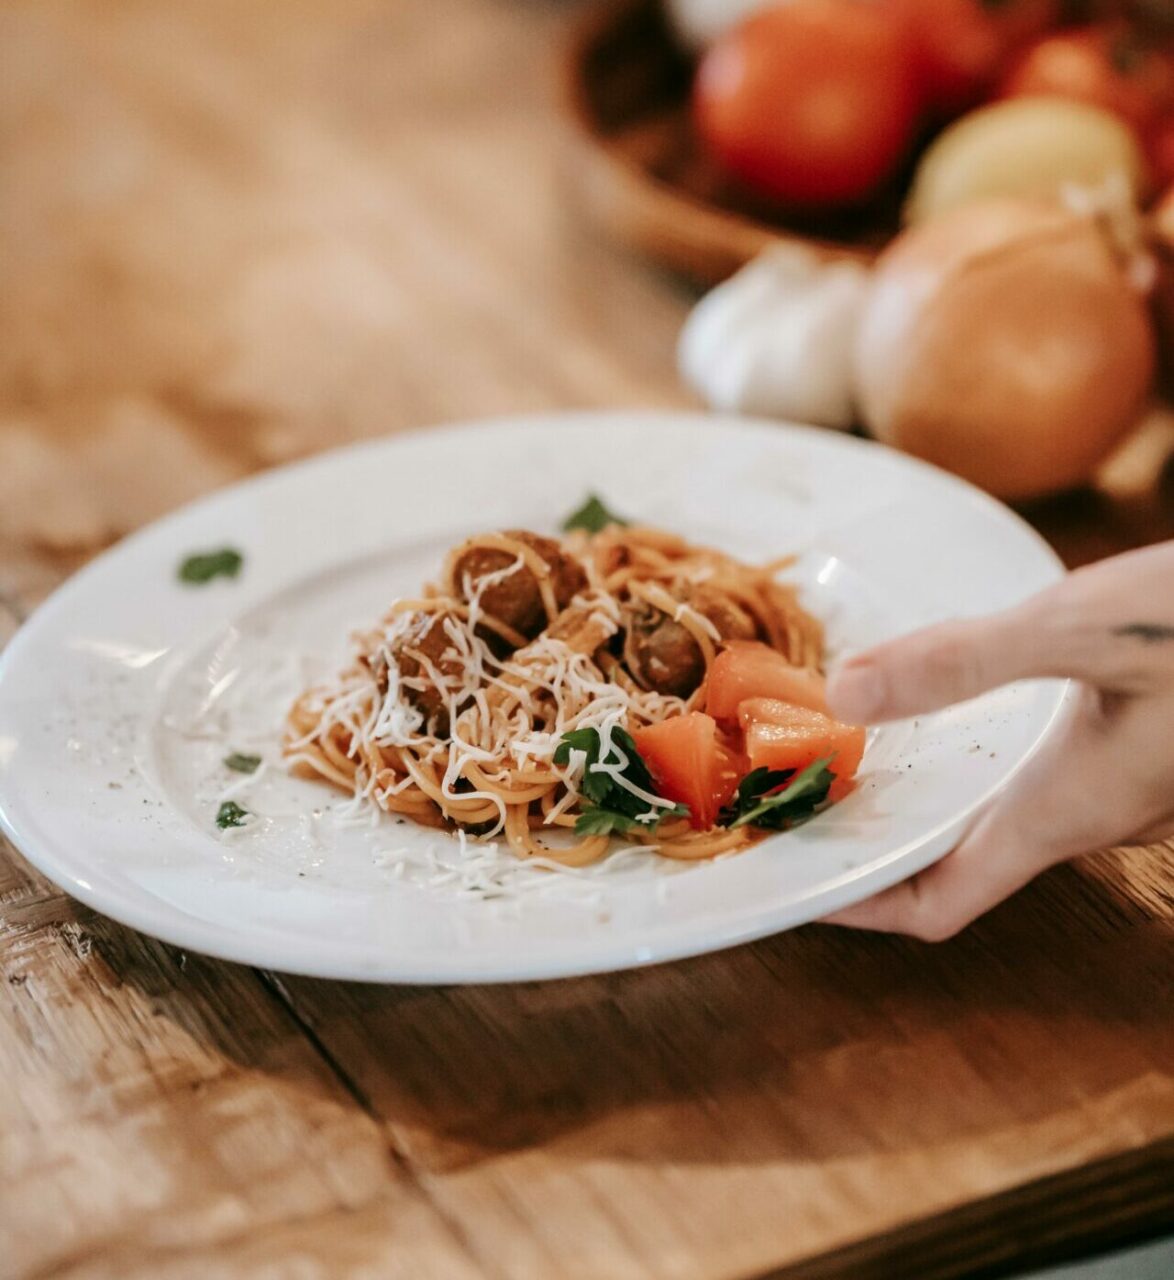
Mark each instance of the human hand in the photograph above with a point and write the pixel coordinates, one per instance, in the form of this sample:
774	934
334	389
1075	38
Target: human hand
1105	777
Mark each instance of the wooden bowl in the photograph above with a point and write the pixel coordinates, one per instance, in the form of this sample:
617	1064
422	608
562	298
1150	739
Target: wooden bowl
639	173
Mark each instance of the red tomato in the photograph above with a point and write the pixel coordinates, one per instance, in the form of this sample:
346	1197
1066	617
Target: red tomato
963	46
692	764
782	736
1106	66
812	103
748	669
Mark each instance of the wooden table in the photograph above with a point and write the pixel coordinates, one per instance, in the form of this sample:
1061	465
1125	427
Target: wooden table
232	233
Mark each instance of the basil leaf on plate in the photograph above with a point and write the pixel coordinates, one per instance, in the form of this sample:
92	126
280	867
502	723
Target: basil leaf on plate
230	814
593	516
242	762
205	565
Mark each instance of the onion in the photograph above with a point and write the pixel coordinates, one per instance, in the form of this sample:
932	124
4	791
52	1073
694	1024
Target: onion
1006	342
1024	147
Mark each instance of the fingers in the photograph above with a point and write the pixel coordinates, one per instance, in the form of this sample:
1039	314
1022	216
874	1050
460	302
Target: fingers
1072	797
930	669
1020	835
1111	626
1162	830
989	865
1103	779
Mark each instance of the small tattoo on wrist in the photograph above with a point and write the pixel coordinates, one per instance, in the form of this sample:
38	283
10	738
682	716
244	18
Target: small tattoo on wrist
1146	632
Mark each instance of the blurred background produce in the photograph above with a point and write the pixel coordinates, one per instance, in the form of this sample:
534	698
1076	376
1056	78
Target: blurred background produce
811	103
996	174
1005	341
963	46
779	338
229	241
1025	147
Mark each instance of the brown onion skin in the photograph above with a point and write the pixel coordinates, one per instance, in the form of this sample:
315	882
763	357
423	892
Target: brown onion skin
1002	342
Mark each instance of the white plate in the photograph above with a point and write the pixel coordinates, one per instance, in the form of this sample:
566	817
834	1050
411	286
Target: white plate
122	694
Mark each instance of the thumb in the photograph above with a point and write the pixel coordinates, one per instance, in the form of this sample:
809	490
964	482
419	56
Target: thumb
1111	626
933	668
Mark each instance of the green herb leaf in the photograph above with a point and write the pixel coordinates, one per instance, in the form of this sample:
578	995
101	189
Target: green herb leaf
240	762
636	771
206	565
595	786
599	821
764	806
593	516
758	782
584	740
230	814
603	822
613	807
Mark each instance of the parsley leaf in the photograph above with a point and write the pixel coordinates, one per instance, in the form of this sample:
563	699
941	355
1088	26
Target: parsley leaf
584	740
595	821
598	821
240	762
636	771
613	808
761	804
206	565
595	786
230	814
758	782
593	516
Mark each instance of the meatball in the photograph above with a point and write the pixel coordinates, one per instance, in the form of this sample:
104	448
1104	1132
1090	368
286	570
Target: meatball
661	653
729	618
430	641
516	599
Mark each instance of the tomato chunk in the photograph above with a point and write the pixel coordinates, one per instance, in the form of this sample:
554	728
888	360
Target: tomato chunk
749	669
782	736
692	764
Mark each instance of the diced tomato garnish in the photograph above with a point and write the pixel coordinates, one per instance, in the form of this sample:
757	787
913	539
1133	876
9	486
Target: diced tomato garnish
692	764
782	736
748	669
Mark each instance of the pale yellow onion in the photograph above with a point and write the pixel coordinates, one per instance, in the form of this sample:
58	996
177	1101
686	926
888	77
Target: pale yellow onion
1004	342
1024	147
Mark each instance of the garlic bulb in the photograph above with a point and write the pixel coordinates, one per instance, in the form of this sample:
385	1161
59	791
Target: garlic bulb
777	338
698	22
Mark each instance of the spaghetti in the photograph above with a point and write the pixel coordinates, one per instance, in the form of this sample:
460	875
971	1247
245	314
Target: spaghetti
454	708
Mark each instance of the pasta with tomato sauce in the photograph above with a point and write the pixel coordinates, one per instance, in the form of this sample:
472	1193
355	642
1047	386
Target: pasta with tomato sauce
616	683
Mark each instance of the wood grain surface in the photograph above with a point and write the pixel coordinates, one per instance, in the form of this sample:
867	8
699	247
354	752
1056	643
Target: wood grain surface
234	233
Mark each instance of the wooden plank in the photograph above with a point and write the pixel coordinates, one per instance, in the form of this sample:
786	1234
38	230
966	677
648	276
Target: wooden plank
816	1095
1036	1225
163	1114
